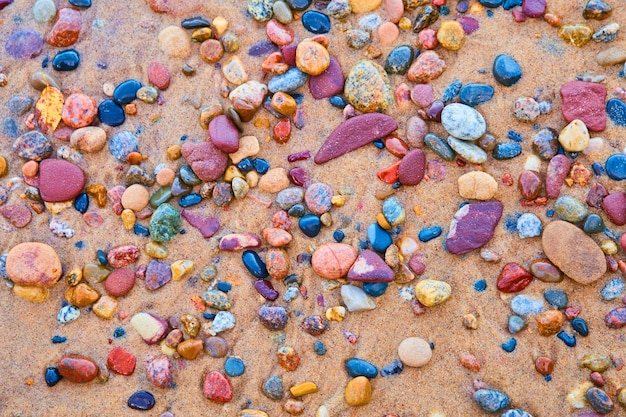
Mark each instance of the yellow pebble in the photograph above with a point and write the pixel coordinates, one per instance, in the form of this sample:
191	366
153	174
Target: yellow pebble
166	350
451	35
74	277
262	122
174	152
232	172
338	200
477	8
569	182
405	24
180	268
337	313
417	210
358	391
252	178
431	292
4	167
609	247
364	6
30	381
252	413
220	25
128	219
95	273
34	294
382	221
303	389
56	208
578	397
156	250
105	307
326	219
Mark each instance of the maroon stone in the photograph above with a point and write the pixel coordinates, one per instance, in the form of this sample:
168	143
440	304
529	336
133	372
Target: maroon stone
158	274
217	388
299	176
24	44
584	101
518	16
160	372
614	205
266	289
66	28
18	214
558	169
78	368
417	265
121	361
120	282
289	54
529	184
224	134
60	180
369	267
412	167
596	194
597	379
238	241
513	278
473	226
616	318
207	226
470	25
354	133
207	161
328	83
423	95
534	8
5	3
122	256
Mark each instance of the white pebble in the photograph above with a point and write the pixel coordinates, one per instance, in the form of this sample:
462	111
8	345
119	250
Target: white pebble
533	163
595	146
224	320
355	299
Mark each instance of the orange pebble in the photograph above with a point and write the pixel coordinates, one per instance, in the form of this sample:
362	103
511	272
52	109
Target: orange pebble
165	176
30	169
389	175
388	33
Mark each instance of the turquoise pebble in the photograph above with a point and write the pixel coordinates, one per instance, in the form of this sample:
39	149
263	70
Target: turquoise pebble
234	366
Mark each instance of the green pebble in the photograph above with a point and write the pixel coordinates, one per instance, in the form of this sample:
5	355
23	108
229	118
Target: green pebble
216	299
160	196
282	12
230	42
148	94
467	150
165	223
439	146
208	274
569	209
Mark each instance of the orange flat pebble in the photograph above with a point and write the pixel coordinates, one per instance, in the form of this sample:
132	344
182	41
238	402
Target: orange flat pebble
388	33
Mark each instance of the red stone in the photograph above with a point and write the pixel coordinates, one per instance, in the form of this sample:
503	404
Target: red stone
60	180
396	146
473	226
597	379
289	55
207	160
17	214
66	28
159	75
596	194
544	365
207	226
93	218
470	362
417	265
622	242
518	16
160	372
281	219
299	176
428	39
412	167
571	312
558	169
513	278
616	318
217	388
224	134
614	205
122	256
370	267
77	368
390	174
120	282
423	94
328	83
79	110
5	3
529	183
282	130
279	33
121	361
584	101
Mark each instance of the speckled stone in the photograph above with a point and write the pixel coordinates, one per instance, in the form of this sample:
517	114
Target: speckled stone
367	87
491	400
24	44
427	67
165	223
467	150
584	101
473	226
32	146
529	225
570	209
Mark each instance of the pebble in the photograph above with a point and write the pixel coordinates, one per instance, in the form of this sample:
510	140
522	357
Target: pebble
556	298
516	324
358	391
513	278
52	376
534	8
121	361
378	237
217	388
441	147
491	400
616	167
206	160
412	167
318	198
599	400
159	372
467	150
477	185
111	113
616	318
141	400
463	122
544	271
135	197
570	209
18	215
506	70
506	151
158	273
530	184
451	35
224	134
367	87
474	94
88	139
67	314
428	66
44	11
32	146
126	91
150	327
616	110
274	180
431	292
584	101
77	368
612	289
33	264
273	317
574	137
529	225
66	28
216	347
558	169
120	282
159	75
24	44
356	299
526	109
578	34
329	83
523	305
614	205
399	60
370	267
414	352
164	223
375	289
473	226
174	42
67	60
310	225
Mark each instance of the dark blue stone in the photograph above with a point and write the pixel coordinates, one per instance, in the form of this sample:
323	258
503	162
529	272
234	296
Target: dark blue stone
319	347
462	6
616	110
363	244
141	230
102	257
299	5
569	340
310	225
475	94
339	235
254	264
509	345
429	233
234	366
316	22
480	285
375	289
616	166
195	22
359	367
506	70
444	10
111	113
556	298
514	136
245	165
208	316
262	48
83	4
580	326
378	143
593	224
452	91
399	60
45	62
393	368
396	185
378	237
550	213
299	98
491	3
80	244
489	13
224	286
510	222
509	4
189	200
296	211
126	92
597	168
119	332
59	339
81	203
507	150
67	60
338	102
141	400
53	376
261	166
547	378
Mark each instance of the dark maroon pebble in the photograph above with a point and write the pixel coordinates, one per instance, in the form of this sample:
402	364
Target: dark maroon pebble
534	8
614	205
434	111
328	83
298	176
262	48
158	274
558	169
265	288
370	267
224	134
473	226
207	226
412	167
289	54
5	3
596	195
23	44
299	156
583	101
470	25
60	180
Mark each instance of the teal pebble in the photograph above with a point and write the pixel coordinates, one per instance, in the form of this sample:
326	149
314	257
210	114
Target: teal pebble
593	224
399	60
165	223
234	366
439	146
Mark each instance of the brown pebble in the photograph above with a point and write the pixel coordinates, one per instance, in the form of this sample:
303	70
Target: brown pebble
211	50
190	349
30	169
216	347
549	322
544	365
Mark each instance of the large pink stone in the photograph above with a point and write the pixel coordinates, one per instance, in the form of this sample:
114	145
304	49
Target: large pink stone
206	160
614	206
328	83
473	226
207	226
584	101
60	180
558	169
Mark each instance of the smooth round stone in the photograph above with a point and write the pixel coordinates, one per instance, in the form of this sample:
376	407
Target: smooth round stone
516	324
282	12
506	70
111	113
358	391
574	137
475	94
234	366
399	60
333	260
451	35
606	33
310	225
126	92
216	347
60	180
378	237
67	60
477	185
135	197
141	400
318	198
431	292
612	289
375	289
616	110
467	150
415	352
328	83
24	44
429	233
393	211
491	400
273	317
288	82
367	87
523	305
120	282
504	151
164	223
33	264
254	264
122	144
556	298
77	368
599	400
570	209
580	326
412	167
534	8
529	225
615	166
315	22
439	146
88	139
416	131
44	11
423	96
593	224
359	367
175	42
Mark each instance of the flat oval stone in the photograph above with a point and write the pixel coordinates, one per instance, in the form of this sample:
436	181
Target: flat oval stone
475	94
558	169
534	8
24	44
238	241
524	305
477	185
473	226
431	292
399	60
412	167
254	264
288	82
141	400
506	70
584	101
616	166
315	22
77	368
463	122
414	352
439	146
354	133
506	151
491	400
33	146
367	87
126	92
355	299
467	150
310	225
60	180
224	134
111	113
333	260
120	282
573	252
360	367
599	400
328	83
164	223
67	60
370	267
33	264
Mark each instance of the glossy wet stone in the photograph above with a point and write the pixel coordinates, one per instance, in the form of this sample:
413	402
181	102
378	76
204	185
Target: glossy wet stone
506	70
513	278
475	94
616	166
599	400
141	400
52	376
580	326
507	151
491	400
111	113
467	150
378	237
616	110
473	226
463	122
126	92
316	22
359	367
67	60
439	146
254	264
310	225
545	143
399	60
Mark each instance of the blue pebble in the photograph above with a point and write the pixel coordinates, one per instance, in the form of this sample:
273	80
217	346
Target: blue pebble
510	345
572	155
119	332
569	340
299	98
338	102
598	169
297	210
475	94
516	324
53	376
509	4
310	225
514	136
189	200
254	264
616	167
140	230
506	70
444	10
429	233
45	62
524	305
319	347
81	203
452	91
224	286
339	236
261	166
67	60
550	213
126	92
234	366
556	298
506	151
59	339
303	258
378	237
462	6
363	244
616	110
580	326
480	285
378	143
612	289
489	13
396	185
83	4
510	222
245	165
10	127
80	244
316	22
375	289
102	257
208	316
359	367
394	368
287	82
593	224
392	210
141	400
122	144
491	400
547	378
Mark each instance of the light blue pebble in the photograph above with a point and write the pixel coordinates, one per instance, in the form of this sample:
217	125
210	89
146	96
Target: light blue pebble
612	289
529	225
